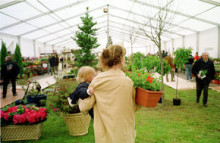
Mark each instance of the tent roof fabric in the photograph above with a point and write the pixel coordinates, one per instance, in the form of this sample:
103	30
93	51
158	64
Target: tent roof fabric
54	22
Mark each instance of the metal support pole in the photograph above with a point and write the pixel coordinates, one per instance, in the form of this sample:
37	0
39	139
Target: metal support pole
172	47
218	47
34	46
197	41
183	41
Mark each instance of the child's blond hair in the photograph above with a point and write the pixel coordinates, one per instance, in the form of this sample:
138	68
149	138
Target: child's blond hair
84	73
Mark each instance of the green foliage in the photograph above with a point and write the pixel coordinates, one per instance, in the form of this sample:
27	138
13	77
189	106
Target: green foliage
143	79
3	53
152	63
137	60
87	41
188	123
44	59
18	58
166	67
59	97
181	56
149	62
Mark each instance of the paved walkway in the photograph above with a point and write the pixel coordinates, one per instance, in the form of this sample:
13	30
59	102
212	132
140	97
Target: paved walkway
44	80
184	84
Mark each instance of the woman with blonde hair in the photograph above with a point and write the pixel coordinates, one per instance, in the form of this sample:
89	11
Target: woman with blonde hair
113	100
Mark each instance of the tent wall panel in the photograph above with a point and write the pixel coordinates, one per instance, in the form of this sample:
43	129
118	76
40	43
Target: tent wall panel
190	41
208	42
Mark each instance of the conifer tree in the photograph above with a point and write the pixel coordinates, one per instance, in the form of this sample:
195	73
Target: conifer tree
18	58
3	53
87	41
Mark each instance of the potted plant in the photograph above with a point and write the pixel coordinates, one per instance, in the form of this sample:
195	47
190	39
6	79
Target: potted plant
22	122
70	74
181	57
147	87
76	122
33	92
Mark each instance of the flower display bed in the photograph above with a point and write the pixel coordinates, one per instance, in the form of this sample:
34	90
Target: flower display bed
22	122
21	132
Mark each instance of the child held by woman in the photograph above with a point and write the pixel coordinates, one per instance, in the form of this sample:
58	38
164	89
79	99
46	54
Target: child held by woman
84	77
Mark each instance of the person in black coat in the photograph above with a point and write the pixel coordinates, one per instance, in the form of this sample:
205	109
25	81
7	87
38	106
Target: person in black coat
9	71
84	77
202	83
52	62
188	67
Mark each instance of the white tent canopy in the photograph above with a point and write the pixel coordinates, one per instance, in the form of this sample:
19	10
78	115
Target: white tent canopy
41	26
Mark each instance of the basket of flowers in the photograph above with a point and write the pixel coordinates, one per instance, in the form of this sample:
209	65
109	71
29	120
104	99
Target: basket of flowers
147	88
22	122
76	122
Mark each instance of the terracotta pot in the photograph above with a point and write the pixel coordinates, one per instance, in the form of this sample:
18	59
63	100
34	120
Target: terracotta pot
147	98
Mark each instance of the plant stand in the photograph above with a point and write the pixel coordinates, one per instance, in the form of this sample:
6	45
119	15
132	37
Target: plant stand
147	98
77	123
21	132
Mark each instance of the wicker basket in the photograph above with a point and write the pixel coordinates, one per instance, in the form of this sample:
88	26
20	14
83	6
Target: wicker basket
147	98
77	123
21	132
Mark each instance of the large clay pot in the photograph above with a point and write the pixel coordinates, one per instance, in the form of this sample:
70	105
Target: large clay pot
147	98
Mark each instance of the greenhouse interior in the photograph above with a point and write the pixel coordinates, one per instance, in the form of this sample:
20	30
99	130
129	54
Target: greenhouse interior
110	71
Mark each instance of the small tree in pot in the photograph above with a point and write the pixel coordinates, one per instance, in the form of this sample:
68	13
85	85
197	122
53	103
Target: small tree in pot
181	57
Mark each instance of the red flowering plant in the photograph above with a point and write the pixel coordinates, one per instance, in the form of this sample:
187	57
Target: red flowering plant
58	102
145	80
22	115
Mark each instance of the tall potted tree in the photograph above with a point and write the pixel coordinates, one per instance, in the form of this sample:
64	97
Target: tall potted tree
4	53
18	59
87	41
181	57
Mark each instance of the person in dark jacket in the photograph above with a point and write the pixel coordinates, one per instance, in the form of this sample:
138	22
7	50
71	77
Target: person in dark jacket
84	77
52	62
9	71
57	63
206	66
188	67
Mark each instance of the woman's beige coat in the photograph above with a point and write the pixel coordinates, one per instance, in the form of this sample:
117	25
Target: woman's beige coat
114	107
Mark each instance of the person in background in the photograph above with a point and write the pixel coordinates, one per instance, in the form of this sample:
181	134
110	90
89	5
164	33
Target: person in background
61	60
206	66
9	71
113	100
84	77
169	60
196	57
57	63
49	67
52	62
188	67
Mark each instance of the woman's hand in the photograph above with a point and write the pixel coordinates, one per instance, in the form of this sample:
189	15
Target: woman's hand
91	90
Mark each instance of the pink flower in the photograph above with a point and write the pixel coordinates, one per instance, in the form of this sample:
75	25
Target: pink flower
6	116
19	119
2	113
